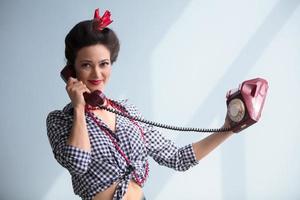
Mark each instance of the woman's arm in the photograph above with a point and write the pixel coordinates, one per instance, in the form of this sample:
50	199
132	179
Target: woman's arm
79	134
166	153
68	135
59	126
206	145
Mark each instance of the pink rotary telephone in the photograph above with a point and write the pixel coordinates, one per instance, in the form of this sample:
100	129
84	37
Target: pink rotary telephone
245	104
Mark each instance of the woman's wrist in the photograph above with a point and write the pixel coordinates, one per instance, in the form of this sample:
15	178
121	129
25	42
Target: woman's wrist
78	109
227	126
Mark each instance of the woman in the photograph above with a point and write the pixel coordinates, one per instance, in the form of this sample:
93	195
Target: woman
106	154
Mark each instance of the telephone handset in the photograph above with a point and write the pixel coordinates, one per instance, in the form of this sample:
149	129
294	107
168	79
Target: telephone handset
244	105
94	98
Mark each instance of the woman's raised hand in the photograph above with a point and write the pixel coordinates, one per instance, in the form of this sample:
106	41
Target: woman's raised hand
75	89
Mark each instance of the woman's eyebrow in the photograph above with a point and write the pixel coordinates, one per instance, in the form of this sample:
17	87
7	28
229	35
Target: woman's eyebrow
104	60
85	60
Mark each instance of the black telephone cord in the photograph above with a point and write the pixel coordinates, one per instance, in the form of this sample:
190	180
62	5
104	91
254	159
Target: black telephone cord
175	128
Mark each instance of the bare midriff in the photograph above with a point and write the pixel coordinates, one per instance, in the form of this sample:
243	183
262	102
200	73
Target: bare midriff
134	192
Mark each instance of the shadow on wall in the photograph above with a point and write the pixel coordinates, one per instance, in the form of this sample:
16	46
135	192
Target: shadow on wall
240	67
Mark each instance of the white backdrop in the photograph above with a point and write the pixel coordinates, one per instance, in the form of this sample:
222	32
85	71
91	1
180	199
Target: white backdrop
177	61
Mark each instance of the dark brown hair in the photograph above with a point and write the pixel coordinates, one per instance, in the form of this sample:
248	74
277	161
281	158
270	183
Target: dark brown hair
83	34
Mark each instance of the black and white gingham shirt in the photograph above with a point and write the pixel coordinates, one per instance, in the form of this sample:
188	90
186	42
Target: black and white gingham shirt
95	171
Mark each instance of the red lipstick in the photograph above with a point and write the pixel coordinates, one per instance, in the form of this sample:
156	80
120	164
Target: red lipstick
95	82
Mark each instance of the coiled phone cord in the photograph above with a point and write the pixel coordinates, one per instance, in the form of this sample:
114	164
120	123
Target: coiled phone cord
175	128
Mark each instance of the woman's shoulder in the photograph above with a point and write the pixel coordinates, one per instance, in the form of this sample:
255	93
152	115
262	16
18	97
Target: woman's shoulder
61	115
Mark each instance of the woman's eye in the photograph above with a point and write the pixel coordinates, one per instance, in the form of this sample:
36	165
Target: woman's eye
104	64
86	65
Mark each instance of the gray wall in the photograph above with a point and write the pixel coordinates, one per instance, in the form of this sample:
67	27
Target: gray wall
177	61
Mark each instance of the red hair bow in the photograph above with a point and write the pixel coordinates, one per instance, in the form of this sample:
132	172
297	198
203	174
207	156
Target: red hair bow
101	22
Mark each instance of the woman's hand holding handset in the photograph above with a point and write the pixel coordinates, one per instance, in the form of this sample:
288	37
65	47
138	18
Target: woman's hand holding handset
79	134
75	89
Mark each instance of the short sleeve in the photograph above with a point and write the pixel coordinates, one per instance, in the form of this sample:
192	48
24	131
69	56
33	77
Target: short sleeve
59	125
163	150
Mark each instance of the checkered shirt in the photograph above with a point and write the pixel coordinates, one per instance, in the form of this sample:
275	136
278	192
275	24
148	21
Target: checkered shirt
95	171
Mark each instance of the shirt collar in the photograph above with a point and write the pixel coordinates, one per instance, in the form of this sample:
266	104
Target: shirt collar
69	107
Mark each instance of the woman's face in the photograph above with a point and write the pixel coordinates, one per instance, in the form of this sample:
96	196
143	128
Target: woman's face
93	66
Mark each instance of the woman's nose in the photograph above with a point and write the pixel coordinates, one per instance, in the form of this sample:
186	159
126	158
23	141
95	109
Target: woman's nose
97	71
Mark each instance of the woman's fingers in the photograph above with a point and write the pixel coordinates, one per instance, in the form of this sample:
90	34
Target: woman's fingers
70	83
75	89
